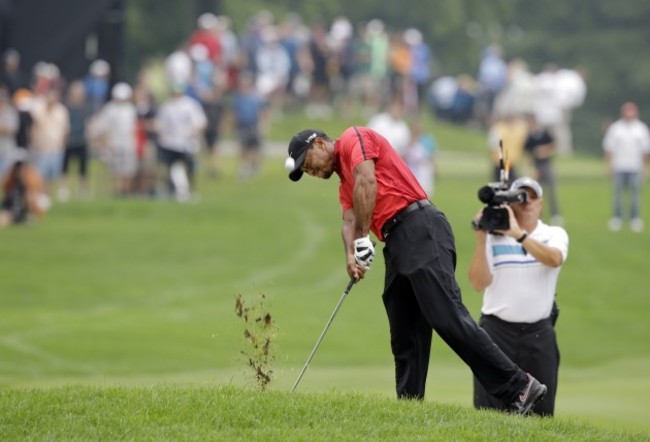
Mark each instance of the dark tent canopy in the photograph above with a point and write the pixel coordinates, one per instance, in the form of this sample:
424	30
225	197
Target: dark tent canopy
68	33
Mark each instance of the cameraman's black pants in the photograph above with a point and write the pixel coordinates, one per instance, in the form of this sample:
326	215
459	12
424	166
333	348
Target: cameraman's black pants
534	348
421	294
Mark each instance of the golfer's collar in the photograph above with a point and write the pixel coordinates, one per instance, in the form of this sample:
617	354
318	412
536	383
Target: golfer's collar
337	155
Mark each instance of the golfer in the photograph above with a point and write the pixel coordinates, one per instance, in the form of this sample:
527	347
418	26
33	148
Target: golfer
378	193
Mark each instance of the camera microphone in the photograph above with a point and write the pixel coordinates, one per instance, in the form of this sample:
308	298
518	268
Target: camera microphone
486	194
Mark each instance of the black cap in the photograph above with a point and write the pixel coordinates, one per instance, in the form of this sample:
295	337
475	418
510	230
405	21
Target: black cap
298	147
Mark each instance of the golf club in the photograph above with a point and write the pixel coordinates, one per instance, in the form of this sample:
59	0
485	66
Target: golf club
320	338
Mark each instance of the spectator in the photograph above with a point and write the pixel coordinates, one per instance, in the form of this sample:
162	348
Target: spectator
180	123
420	157
492	78
145	106
229	50
115	127
342	59
462	107
24	198
627	153
77	146
49	132
399	57
518	269
249	112
540	145
370	80
509	131
22	100
419	72
10	74
273	69
251	39
441	96
97	84
518	96
8	127
178	68
207	35
572	90
207	87
547	105
319	105
294	37
46	76
392	126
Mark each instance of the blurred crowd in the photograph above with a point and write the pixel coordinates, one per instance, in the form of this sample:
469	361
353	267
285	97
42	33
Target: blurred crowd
216	81
219	81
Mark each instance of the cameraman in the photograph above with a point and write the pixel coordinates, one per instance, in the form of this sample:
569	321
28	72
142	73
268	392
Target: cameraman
518	269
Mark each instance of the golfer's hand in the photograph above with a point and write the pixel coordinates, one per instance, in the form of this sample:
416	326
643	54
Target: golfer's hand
364	252
354	270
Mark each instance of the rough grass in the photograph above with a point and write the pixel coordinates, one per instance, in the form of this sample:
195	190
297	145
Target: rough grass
227	413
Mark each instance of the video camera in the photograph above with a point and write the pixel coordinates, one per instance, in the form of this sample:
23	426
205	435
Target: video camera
494	195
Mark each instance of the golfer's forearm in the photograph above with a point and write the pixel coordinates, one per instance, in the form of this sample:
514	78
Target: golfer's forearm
363	197
347	230
364	205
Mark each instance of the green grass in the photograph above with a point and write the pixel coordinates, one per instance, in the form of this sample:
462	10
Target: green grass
226	413
131	300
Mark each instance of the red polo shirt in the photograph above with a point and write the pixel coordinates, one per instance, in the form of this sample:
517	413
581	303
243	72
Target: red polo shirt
396	185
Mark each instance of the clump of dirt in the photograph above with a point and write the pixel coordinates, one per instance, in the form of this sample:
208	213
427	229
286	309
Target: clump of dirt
259	332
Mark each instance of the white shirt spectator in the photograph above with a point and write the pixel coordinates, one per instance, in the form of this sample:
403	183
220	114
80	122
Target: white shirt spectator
273	66
117	123
443	90
178	68
179	123
627	142
393	127
518	97
548	105
572	88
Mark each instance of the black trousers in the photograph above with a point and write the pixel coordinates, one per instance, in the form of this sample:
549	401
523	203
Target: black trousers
168	157
421	294
531	346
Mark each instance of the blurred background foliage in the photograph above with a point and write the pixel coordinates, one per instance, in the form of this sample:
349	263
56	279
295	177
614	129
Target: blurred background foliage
605	38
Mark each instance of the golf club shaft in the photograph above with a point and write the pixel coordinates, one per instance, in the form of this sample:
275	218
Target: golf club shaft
320	338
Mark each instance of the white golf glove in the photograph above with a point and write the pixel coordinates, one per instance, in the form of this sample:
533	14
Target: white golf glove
364	252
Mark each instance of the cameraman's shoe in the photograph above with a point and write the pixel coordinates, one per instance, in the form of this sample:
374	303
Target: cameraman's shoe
532	393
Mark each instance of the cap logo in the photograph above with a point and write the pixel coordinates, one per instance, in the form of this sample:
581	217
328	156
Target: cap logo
311	138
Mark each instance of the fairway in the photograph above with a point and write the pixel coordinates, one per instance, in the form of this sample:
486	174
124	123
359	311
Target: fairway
138	292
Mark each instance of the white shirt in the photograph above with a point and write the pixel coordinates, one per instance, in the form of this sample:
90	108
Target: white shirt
117	121
522	288
572	89
179	123
547	104
273	67
627	142
396	131
178	68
